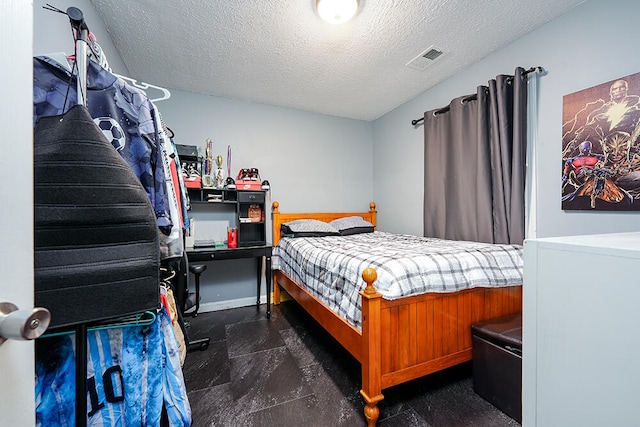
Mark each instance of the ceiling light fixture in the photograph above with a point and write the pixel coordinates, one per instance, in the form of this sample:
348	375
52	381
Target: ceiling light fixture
337	11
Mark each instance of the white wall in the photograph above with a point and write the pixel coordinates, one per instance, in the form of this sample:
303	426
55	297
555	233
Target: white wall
592	44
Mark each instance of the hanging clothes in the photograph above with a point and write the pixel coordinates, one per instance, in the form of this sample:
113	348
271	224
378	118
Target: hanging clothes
131	373
169	302
122	112
171	244
186	201
134	372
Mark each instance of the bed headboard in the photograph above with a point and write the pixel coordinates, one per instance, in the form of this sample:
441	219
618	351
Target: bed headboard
279	218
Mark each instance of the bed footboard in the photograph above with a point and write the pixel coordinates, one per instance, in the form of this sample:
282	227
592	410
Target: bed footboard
415	336
408	338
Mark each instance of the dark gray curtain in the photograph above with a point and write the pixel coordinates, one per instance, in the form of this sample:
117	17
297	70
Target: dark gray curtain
474	170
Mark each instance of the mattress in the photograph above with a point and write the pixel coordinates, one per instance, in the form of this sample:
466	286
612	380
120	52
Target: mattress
330	268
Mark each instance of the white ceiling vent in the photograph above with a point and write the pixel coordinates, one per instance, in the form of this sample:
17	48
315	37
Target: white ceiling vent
426	58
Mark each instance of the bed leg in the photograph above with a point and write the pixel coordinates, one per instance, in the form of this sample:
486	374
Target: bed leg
276	290
371	410
371	413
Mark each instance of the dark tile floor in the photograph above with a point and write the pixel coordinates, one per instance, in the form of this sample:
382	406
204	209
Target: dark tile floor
287	371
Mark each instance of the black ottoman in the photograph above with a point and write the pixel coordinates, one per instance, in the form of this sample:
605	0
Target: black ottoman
497	363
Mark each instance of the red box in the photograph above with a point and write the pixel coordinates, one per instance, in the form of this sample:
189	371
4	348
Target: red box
193	182
248	184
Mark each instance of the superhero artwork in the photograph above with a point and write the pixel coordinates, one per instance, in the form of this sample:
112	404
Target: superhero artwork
601	147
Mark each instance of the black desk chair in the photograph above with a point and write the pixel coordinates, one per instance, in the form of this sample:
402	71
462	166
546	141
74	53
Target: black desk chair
193	298
191	306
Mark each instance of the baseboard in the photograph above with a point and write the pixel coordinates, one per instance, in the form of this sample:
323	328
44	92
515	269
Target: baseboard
233	303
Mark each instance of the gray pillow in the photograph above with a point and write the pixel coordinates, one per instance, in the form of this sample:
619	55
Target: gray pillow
308	228
352	225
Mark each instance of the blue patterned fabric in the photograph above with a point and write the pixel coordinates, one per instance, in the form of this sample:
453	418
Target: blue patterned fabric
55	382
123	113
131	373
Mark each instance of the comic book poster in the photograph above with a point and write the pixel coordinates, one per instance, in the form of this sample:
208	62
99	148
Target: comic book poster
601	147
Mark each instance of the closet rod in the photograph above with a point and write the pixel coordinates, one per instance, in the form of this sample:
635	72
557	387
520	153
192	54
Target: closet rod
471	97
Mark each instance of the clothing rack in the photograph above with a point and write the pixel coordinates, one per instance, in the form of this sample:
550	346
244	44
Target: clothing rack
81	34
470	97
83	43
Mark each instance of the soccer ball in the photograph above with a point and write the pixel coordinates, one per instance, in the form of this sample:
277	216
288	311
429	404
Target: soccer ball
112	130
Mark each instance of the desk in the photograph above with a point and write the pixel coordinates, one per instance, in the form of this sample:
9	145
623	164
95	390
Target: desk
259	252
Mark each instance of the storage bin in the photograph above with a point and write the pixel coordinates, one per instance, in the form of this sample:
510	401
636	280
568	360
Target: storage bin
497	363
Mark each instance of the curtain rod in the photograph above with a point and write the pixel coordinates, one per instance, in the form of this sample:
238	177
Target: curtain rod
471	97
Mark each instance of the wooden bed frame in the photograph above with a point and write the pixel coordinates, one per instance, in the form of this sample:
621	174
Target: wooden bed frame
401	339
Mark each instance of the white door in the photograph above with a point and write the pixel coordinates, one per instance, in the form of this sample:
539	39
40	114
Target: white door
17	406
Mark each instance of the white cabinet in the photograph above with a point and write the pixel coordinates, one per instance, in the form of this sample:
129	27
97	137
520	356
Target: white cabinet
581	331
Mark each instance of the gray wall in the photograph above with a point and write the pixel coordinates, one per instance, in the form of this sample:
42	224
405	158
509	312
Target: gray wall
313	162
52	32
591	44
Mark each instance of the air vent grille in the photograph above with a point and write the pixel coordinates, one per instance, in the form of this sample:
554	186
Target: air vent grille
426	58
432	54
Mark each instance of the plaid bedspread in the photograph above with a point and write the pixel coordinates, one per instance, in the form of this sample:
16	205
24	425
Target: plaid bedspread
331	267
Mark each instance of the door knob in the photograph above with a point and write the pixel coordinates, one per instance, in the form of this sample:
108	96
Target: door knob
22	324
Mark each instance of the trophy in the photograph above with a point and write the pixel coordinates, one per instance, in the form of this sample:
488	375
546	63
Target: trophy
207	179
219	177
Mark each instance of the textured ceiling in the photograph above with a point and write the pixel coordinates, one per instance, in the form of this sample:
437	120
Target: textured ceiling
279	52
